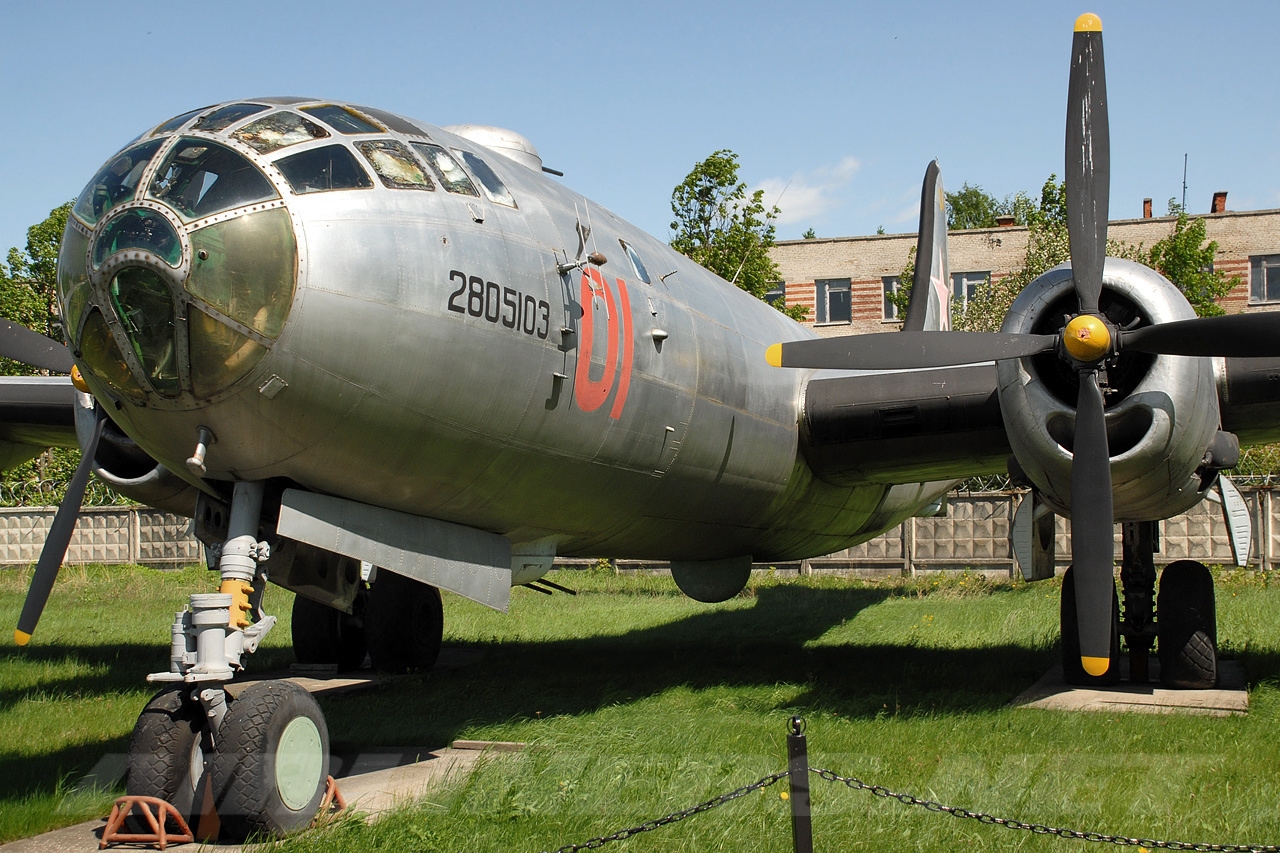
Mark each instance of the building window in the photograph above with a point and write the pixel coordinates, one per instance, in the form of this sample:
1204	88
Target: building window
964	285
833	301
891	285
1264	278
776	295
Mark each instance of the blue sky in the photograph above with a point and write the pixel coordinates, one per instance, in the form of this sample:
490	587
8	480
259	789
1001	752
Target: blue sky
843	104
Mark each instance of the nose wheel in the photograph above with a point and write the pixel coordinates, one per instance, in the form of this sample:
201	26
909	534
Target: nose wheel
270	761
166	751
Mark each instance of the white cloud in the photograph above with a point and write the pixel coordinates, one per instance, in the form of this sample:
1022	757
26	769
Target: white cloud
805	196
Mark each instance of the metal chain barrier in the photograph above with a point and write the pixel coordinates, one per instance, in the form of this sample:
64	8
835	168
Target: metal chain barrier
1037	828
802	837
675	817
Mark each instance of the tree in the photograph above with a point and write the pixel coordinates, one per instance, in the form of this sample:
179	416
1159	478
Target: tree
28	295
28	284
1186	260
718	226
810	234
971	207
974	207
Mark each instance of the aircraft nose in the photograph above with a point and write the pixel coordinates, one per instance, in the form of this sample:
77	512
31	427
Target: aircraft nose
173	298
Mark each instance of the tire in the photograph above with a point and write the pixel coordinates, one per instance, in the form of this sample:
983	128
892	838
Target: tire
326	635
270	761
1187	627
166	758
405	624
1072	671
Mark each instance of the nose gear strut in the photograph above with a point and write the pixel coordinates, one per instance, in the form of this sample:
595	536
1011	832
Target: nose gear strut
242	742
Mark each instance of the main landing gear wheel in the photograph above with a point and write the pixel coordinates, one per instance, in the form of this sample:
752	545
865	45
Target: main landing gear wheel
1187	626
270	761
326	635
405	623
166	755
1072	671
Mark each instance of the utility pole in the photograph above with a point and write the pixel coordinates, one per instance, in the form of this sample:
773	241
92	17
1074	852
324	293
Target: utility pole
1184	183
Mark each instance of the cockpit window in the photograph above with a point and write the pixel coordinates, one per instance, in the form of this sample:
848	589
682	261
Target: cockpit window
227	116
636	263
278	130
144	304
342	119
115	183
332	167
393	121
176	122
451	175
395	165
493	186
200	178
139	229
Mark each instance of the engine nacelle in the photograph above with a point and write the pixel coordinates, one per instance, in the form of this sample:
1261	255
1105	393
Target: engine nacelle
1161	411
128	469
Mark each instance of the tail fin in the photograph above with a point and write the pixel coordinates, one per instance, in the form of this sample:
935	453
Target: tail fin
929	309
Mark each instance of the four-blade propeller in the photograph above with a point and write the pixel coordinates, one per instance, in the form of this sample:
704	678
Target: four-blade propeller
1087	342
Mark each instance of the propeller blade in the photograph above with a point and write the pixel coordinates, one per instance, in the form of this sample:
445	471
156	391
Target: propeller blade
55	546
1088	161
1232	335
1092	527
907	350
22	344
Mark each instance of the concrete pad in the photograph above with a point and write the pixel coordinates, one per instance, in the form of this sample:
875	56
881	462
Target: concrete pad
371	781
1229	698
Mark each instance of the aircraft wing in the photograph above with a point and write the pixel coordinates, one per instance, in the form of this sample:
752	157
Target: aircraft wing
36	412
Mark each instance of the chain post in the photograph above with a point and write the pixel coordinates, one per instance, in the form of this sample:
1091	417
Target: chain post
798	768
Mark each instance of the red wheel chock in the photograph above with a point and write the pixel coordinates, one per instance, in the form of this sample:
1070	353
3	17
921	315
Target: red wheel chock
331	803
156	812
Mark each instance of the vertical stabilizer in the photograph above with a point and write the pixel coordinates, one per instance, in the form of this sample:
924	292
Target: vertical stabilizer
930	307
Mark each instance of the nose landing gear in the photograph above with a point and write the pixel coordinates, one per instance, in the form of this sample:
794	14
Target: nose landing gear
262	755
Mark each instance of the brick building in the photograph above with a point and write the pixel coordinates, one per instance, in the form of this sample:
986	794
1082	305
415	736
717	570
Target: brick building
842	280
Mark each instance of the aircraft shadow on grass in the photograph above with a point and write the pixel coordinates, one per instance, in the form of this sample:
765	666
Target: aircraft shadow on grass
758	646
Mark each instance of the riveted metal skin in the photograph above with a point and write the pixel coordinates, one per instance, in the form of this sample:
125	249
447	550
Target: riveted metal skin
425	369
1159	427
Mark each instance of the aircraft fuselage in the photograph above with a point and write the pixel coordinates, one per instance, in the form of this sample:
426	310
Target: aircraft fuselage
442	358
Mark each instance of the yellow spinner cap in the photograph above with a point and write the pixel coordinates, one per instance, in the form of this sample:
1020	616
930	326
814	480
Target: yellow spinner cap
1095	666
1088	23
1086	338
773	355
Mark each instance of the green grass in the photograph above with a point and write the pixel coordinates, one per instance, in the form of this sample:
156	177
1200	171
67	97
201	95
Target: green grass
637	702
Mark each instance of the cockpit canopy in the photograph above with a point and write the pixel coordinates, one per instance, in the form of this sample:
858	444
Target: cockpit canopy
180	261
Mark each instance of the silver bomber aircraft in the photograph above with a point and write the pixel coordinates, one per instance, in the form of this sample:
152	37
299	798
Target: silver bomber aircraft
339	339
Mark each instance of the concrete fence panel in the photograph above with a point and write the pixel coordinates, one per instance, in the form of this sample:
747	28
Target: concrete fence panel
971	533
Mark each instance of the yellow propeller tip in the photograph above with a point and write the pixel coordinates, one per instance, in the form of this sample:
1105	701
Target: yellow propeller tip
1088	23
773	355
21	637
77	379
1095	666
